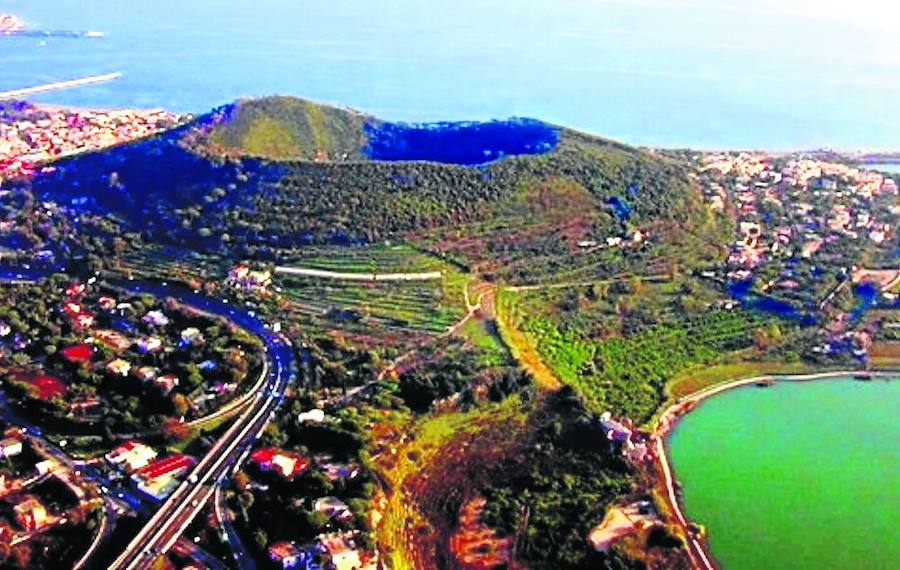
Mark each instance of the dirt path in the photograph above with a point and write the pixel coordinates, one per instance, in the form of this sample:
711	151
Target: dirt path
522	350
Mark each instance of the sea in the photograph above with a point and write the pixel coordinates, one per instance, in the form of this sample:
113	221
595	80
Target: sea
672	73
797	475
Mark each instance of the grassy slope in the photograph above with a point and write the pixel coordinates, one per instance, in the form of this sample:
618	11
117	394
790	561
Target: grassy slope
289	128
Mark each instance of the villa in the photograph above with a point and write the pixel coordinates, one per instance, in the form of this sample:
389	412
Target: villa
10	447
285	553
113	339
285	463
30	513
333	508
191	335
146	373
149	344
156	319
243	276
118	367
166	382
133	455
342	550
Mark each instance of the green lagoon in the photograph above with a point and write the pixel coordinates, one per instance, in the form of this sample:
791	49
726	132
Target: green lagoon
798	475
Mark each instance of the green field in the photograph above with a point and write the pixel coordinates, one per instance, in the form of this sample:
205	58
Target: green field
379	259
416	306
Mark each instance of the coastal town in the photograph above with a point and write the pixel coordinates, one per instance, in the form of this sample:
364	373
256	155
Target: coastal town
285	408
785	205
31	136
802	224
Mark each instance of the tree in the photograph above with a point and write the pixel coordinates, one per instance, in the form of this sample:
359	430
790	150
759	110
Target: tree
241	480
21	554
180	403
194	376
177	430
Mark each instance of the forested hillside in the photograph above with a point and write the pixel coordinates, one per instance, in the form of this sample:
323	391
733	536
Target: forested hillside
281	172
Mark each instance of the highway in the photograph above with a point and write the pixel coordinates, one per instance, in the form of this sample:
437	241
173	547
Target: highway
223	517
173	517
169	522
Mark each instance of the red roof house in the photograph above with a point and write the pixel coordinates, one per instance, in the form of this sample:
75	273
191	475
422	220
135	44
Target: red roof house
81	352
171	466
286	463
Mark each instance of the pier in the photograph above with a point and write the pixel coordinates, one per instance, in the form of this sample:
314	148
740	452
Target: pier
58	85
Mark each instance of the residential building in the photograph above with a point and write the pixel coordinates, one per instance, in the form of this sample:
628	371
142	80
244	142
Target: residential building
333	508
132	455
166	383
118	367
342	551
149	344
10	447
160	477
285	553
146	373
30	513
286	463
156	318
191	335
244	277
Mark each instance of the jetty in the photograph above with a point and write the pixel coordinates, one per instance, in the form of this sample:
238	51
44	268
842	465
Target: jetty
58	85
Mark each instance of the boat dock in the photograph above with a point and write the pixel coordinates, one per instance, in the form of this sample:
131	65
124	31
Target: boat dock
58	85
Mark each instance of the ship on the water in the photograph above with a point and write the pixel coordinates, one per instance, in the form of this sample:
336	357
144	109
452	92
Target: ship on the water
11	24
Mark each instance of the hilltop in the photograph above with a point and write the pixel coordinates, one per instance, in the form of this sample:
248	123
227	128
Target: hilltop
283	128
518	197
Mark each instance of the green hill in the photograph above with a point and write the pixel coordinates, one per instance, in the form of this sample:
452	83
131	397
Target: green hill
525	217
283	128
519	199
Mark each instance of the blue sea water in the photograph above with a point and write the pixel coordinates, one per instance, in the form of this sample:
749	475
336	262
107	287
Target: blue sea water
704	73
885	167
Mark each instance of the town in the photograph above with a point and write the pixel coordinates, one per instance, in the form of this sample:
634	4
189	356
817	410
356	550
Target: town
802	224
33	135
275	381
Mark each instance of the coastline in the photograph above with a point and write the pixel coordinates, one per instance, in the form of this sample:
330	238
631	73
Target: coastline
698	547
58	107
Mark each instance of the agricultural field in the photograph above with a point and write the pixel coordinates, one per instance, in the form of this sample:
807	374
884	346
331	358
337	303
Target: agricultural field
427	307
359	259
555	230
619	343
172	264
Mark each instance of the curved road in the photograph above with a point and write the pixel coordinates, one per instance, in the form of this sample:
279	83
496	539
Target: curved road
170	521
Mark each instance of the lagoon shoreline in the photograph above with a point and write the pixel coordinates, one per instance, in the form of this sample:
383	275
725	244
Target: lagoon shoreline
697	544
